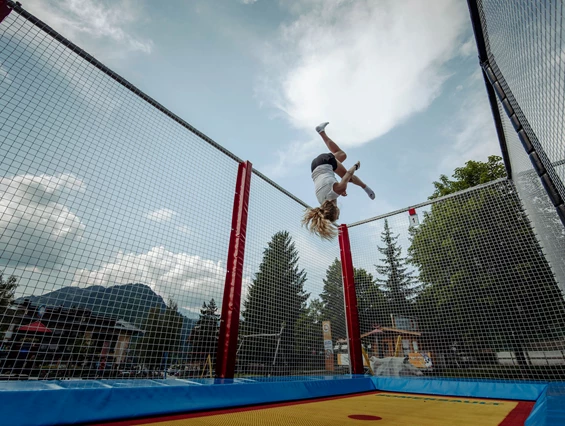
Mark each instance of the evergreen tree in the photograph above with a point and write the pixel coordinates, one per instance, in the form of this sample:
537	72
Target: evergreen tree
333	307
276	298
7	290
370	301
162	335
309	344
203	338
398	284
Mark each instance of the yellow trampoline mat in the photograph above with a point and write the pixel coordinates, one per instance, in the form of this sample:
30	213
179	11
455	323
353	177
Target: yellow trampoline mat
391	408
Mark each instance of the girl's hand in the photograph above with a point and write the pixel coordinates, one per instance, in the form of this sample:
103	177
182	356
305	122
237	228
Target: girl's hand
344	194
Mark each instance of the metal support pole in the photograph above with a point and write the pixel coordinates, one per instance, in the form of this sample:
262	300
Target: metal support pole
350	296
496	88
229	322
532	148
4	9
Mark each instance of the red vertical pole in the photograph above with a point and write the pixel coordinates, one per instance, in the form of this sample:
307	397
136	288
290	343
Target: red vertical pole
351	313
229	320
4	9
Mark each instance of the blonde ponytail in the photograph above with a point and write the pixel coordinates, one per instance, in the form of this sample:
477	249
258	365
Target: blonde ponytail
321	220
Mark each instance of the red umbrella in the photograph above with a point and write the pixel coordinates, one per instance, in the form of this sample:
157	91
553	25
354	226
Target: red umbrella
36	327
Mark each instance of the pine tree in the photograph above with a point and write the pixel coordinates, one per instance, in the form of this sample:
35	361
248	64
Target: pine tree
203	338
276	298
308	334
398	284
370	301
333	308
7	289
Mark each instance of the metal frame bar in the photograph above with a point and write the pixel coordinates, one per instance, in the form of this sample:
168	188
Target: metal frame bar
495	86
483	56
531	145
10	5
427	203
231	305
17	7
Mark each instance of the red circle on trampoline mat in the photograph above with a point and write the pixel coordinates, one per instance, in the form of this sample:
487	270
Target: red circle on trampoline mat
364	417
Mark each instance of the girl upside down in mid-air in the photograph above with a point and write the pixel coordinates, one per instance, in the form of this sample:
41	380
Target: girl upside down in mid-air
321	220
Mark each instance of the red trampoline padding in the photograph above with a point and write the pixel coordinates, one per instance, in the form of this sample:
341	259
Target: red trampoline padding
518	415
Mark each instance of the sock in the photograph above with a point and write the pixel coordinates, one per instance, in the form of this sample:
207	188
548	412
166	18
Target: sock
369	192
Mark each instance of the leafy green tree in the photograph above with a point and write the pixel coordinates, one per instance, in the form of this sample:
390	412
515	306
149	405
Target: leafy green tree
275	297
472	174
203	338
486	277
163	329
397	283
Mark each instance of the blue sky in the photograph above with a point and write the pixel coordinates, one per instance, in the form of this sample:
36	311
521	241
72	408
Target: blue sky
398	80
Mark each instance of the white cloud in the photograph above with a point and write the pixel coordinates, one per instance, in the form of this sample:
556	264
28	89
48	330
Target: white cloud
248	1
84	20
187	279
472	131
469	47
183	229
4	76
365	66
36	228
162	215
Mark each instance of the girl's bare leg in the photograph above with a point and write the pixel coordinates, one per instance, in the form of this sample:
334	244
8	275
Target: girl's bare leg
338	153
340	156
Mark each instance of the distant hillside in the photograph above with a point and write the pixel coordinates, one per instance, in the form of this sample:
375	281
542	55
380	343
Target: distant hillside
130	302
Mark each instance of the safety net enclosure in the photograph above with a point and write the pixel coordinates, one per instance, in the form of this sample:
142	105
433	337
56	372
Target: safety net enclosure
135	282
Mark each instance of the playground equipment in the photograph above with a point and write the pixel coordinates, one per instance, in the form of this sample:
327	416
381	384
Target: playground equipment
260	336
108	259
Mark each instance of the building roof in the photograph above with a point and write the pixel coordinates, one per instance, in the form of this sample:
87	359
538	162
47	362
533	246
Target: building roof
35	327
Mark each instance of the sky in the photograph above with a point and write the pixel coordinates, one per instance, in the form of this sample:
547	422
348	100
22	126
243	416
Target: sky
399	82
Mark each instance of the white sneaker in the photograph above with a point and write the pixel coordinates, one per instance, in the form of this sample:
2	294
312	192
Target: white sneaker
320	128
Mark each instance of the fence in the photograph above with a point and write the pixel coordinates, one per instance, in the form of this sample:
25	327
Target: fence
459	287
116	219
123	257
525	87
474	287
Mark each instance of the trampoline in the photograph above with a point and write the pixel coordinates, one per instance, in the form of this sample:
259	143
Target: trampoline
382	408
87	156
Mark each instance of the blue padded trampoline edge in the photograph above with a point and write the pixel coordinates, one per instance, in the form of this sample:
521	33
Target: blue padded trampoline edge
64	403
549	409
462	388
538	415
66	406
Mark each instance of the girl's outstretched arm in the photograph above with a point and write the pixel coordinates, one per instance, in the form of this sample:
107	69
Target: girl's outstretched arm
339	188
